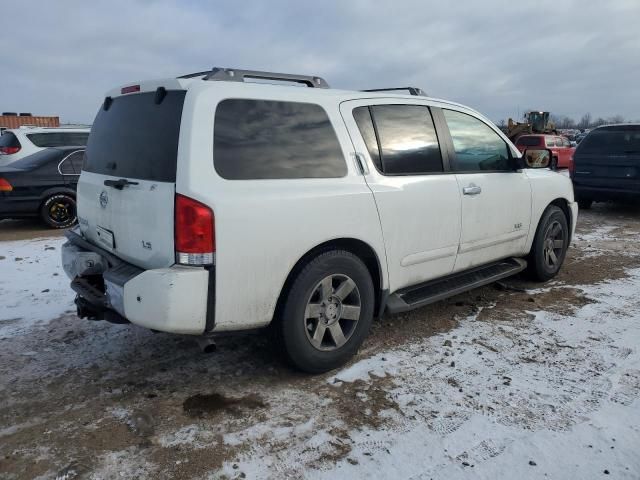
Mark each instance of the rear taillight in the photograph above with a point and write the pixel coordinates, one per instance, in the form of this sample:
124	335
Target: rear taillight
9	150
5	186
195	236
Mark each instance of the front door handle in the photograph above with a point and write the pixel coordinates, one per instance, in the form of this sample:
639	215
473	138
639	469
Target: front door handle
472	190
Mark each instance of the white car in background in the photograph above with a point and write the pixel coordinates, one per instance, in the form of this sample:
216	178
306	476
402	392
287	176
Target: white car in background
17	143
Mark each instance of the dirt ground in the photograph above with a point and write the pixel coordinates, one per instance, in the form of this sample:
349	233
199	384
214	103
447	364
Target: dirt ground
81	399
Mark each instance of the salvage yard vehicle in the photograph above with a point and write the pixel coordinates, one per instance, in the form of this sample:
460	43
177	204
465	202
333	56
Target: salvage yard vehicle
210	203
607	165
42	184
560	147
17	143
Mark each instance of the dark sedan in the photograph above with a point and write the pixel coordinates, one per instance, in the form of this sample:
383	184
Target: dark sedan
44	185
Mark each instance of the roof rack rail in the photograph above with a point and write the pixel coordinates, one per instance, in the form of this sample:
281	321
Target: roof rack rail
234	75
415	91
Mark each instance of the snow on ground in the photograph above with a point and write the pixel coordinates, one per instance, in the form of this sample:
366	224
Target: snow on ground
538	395
33	287
546	392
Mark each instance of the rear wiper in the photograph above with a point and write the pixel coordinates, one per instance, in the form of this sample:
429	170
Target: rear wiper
119	184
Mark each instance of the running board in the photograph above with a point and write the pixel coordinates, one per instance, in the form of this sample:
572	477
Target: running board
436	290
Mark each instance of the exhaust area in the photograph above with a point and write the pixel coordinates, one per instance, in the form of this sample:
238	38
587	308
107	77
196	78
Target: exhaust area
206	344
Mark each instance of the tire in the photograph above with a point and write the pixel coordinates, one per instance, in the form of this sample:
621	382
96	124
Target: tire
549	245
585	203
59	211
317	310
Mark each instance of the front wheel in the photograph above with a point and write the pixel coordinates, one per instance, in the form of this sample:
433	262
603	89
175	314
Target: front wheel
59	211
328	312
549	245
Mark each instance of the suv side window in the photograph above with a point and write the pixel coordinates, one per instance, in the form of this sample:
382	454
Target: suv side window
478	147
362	116
550	141
265	139
59	139
407	140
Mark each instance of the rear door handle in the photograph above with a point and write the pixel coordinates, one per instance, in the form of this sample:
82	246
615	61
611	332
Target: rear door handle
472	190
118	184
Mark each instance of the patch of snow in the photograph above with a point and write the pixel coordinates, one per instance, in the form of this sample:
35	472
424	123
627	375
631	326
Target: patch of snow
542	394
379	365
123	464
603	232
191	435
33	286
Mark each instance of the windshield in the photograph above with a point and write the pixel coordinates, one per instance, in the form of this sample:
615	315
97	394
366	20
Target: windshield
137	137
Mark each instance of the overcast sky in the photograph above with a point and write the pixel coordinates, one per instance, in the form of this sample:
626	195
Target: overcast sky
500	57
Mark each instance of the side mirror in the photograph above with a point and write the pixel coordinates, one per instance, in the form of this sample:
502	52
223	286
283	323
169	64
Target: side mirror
537	158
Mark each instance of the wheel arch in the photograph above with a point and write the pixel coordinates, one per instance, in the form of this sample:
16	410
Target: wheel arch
563	204
44	196
360	249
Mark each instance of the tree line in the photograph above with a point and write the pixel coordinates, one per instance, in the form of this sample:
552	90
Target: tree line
586	121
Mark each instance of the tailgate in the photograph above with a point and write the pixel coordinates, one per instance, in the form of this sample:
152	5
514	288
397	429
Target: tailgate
135	222
617	172
126	192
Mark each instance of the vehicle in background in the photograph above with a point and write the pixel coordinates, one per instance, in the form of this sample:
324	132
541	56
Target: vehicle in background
560	146
535	122
21	142
607	165
42	184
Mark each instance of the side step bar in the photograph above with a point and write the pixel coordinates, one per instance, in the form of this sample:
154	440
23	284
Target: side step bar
435	290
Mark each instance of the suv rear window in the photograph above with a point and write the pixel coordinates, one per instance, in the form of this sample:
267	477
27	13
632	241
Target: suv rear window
264	139
59	139
612	140
137	137
9	140
529	141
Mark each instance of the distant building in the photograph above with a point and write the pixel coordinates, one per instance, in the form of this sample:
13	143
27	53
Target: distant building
15	120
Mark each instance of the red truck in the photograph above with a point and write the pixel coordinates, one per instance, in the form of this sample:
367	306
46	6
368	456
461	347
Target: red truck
560	146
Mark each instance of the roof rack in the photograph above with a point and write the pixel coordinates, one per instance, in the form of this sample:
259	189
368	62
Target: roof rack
234	75
415	91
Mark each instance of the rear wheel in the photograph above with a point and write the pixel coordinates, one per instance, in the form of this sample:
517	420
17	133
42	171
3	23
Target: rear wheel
327	312
59	211
549	245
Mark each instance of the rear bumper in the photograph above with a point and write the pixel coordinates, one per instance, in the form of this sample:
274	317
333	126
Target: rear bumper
605	193
172	299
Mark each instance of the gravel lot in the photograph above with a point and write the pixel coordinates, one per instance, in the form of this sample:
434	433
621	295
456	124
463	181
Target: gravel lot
511	380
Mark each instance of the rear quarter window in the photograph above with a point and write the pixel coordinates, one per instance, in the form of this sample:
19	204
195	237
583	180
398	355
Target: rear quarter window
9	140
264	139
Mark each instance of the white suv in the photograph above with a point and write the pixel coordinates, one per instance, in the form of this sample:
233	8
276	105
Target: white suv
17	143
209	204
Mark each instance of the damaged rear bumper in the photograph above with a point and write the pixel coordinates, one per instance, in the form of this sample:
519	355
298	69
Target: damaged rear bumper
172	299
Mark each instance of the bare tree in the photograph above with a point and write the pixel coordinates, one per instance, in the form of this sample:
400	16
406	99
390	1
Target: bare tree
585	121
